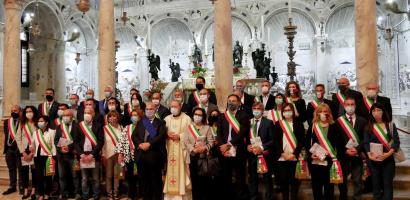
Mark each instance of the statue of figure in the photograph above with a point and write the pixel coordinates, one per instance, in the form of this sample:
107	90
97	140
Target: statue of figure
197	57
266	68
237	55
258	62
175	70
154	65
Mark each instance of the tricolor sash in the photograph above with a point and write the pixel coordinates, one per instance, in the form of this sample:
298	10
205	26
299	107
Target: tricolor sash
261	167
289	134
57	121
336	174
130	130
150	128
348	128
381	135
232	121
341	97
257	99
50	163
109	130
368	102
276	116
194	132
88	133
253	133
12	129
315	103
213	130
28	132
198	100
44	108
65	130
130	106
157	115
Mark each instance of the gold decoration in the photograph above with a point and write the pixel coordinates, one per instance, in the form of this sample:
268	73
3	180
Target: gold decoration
83	5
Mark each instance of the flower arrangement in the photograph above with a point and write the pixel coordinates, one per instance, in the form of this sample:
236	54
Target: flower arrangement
236	71
198	70
157	86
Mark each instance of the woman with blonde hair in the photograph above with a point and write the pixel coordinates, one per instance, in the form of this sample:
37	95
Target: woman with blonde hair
322	146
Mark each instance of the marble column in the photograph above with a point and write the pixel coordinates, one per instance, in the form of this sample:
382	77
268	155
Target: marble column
106	46
223	51
12	55
367	69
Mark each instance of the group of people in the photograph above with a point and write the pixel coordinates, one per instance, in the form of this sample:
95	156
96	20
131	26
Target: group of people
191	150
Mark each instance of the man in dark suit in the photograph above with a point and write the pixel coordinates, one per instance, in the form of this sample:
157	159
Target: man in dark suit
161	111
246	99
103	104
65	154
371	97
232	132
90	103
352	158
150	153
180	97
200	84
319	99
204	96
10	149
74	98
345	91
88	144
266	98
264	130
89	95
50	106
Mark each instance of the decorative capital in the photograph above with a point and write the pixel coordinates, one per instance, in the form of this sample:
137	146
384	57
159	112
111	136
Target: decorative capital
13	4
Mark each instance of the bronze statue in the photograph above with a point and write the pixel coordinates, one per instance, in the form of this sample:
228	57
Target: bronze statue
197	57
258	58
154	64
175	70
237	55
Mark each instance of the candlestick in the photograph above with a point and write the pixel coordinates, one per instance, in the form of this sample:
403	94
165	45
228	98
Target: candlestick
290	9
262	27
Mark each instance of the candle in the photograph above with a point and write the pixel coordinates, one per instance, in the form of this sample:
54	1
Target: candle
290	9
206	47
189	47
170	45
268	36
149	36
262	27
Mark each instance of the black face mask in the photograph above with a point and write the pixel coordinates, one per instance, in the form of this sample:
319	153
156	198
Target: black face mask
212	119
49	98
342	87
14	115
199	86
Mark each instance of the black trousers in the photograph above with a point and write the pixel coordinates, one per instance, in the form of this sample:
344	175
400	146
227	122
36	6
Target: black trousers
321	186
200	184
254	178
25	176
44	183
382	176
131	180
286	178
234	167
13	161
150	171
352	166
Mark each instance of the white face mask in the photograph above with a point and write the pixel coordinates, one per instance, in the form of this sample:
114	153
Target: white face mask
107	94
73	102
149	114
371	94
66	119
29	115
319	95
135	102
88	96
203	98
155	102
287	114
349	109
323	117
87	117
265	89
111	107
179	99
41	125
257	113
60	113
197	118
175	111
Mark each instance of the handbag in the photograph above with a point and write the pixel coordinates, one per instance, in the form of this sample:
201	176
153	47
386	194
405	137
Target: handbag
398	154
208	165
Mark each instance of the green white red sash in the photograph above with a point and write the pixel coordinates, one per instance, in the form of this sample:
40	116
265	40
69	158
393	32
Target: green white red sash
257	99
213	130
381	135
232	121
28	132
276	116
261	167
341	97
198	100
336	174
130	130
12	129
157	115
88	133
109	130
194	132
130	106
66	132
289	134
368	102
348	128
253	133
44	108
58	121
50	163
315	103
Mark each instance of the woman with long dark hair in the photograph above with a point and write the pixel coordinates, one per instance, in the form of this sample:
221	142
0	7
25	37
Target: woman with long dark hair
381	141
294	96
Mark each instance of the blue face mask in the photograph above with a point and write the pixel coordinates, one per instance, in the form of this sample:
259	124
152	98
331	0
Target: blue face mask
134	119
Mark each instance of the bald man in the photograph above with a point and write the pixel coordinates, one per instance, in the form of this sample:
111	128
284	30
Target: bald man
246	99
371	96
340	96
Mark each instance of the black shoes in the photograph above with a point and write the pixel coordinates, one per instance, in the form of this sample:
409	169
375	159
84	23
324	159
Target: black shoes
9	191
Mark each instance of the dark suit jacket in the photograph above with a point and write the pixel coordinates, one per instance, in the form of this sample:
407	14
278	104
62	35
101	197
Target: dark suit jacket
102	109
156	154
79	140
271	102
185	109
358	97
370	137
59	134
248	100
192	103
333	133
238	139
163	111
298	130
52	113
301	107
382	100
126	120
310	109
265	132
360	126
6	136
